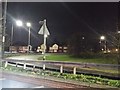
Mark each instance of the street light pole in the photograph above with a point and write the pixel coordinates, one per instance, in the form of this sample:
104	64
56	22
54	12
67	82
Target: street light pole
28	25
45	36
102	38
11	37
44	31
105	46
29	41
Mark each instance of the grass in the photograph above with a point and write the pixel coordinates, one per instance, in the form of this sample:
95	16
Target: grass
113	72
61	57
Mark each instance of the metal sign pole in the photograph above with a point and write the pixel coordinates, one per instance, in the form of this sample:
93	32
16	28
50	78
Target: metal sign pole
44	39
44	31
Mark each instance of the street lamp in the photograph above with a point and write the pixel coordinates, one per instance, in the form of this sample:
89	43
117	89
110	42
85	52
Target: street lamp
103	38
19	23
28	25
118	32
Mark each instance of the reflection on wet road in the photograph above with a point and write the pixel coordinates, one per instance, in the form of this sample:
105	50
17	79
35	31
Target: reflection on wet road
16	84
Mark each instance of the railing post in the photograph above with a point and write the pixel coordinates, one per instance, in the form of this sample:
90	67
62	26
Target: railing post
33	67
74	70
43	66
61	69
24	66
6	63
16	64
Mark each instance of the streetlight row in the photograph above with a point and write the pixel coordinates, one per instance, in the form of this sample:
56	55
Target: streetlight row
20	23
103	38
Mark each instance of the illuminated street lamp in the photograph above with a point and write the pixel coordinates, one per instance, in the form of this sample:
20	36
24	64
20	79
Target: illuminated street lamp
103	38
118	32
28	25
116	50
19	23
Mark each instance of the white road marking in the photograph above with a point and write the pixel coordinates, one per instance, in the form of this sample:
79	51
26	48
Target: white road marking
39	87
2	78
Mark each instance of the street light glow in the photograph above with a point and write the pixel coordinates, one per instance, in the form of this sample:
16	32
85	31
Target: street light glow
28	24
116	50
102	38
19	23
118	31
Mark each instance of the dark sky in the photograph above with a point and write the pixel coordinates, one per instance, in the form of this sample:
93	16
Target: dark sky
63	19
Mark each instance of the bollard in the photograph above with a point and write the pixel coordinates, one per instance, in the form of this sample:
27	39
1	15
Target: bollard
33	67
16	64
43	66
6	63
24	66
61	69
74	70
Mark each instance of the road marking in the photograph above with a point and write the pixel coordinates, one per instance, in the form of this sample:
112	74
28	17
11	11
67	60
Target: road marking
39	87
2	78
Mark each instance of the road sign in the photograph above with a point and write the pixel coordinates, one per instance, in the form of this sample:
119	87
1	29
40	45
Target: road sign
44	29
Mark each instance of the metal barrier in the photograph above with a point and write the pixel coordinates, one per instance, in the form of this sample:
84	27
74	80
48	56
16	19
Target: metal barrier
55	66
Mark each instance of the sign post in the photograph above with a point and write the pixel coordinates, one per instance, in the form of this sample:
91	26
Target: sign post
44	31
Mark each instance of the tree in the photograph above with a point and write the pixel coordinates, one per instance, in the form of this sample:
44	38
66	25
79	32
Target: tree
79	44
113	38
7	42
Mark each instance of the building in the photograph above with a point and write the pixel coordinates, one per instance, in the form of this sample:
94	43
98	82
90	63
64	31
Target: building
20	49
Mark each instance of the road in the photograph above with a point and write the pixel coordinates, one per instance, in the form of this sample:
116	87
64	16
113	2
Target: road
8	81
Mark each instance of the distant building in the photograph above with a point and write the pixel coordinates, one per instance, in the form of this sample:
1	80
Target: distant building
21	49
54	48
41	48
58	49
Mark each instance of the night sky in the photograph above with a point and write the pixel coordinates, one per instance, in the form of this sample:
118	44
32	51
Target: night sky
63	20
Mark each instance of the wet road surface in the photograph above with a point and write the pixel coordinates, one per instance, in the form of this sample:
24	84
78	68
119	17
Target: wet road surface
6	83
35	82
